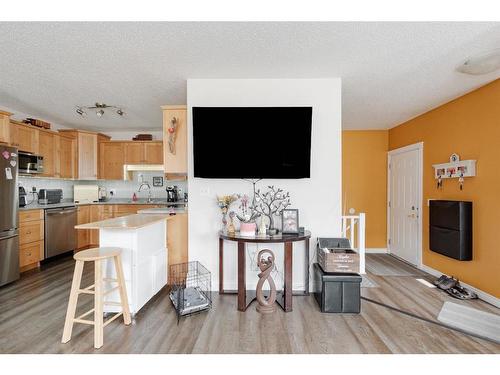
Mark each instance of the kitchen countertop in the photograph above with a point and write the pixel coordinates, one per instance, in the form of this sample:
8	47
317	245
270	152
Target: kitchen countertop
134	221
162	210
69	203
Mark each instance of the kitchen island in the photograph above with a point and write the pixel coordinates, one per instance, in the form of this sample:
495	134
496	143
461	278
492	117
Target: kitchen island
142	239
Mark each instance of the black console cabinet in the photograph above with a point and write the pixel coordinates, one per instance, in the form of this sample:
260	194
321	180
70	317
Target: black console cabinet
450	228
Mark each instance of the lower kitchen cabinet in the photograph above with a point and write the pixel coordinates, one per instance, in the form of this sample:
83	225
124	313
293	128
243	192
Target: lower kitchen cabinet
31	236
30	254
177	239
83	236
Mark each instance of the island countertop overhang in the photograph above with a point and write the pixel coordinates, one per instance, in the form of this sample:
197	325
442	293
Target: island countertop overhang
134	221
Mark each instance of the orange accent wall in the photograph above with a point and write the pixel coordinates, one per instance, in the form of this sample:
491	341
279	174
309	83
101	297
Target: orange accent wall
364	180
469	126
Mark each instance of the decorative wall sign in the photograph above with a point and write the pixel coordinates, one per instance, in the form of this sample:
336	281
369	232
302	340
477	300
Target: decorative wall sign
157	181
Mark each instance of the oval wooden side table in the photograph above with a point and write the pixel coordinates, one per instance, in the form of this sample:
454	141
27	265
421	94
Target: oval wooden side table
246	297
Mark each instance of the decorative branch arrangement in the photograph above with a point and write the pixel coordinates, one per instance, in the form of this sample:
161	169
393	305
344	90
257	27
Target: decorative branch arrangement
172	135
271	203
248	214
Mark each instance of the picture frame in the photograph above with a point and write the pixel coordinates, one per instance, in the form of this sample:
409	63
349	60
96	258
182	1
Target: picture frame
158	181
290	221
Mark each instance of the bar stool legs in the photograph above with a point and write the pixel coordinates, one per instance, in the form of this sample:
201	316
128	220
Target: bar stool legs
73	298
123	291
96	255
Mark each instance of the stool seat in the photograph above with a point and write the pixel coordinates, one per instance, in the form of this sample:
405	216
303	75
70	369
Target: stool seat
97	253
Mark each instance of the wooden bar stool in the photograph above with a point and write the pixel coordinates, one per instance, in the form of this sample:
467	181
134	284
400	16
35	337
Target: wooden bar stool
96	255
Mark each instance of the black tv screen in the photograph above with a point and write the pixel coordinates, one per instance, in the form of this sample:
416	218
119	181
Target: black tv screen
252	142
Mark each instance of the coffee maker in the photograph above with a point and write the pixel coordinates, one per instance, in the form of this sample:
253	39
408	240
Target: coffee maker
172	194
22	197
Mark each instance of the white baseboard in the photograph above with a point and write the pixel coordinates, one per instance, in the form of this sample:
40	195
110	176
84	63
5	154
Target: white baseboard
482	295
376	250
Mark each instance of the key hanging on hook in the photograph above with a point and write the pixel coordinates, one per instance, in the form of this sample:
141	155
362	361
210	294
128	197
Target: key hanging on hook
440	182
461	181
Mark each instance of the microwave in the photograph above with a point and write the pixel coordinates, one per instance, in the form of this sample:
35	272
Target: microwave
30	163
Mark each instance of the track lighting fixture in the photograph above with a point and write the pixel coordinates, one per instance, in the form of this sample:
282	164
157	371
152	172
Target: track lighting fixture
99	107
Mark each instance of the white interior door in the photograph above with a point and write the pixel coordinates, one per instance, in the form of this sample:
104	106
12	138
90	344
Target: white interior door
404	203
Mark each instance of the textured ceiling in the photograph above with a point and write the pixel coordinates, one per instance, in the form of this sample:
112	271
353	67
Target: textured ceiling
390	72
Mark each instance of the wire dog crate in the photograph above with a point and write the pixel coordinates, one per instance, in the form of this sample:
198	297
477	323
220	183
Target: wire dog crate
191	288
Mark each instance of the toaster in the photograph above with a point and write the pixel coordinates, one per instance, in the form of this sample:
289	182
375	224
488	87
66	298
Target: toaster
50	196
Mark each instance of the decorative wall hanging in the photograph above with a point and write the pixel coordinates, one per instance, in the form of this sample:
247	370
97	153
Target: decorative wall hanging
266	266
454	169
158	181
172	135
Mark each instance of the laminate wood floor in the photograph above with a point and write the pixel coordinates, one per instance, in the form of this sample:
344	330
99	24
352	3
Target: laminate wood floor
33	309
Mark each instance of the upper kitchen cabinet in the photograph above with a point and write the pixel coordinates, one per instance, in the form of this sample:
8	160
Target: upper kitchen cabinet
111	160
87	152
24	137
5	127
175	139
47	148
143	152
66	157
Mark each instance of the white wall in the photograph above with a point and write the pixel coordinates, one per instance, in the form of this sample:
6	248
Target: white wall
317	198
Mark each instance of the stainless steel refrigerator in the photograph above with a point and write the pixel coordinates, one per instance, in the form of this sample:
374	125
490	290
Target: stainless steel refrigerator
9	205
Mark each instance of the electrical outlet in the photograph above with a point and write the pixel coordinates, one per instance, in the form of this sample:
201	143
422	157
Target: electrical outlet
205	191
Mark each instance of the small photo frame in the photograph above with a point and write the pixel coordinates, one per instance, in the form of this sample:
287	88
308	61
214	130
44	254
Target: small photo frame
290	221
158	181
440	172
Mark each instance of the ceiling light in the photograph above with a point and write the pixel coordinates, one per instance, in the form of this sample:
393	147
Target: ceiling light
100	108
481	64
81	112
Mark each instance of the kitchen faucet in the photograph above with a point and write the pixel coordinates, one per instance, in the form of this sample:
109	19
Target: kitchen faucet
147	186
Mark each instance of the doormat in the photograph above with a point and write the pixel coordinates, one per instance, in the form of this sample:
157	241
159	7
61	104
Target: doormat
468	319
387	265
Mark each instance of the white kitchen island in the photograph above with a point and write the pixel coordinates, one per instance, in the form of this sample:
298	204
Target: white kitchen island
142	239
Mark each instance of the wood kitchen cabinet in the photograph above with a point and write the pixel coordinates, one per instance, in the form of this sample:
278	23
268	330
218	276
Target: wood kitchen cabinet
87	152
175	162
5	127
147	152
24	137
31	236
65	157
47	148
83	235
177	239
111	161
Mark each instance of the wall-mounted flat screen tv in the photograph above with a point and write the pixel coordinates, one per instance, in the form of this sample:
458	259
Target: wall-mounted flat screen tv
252	142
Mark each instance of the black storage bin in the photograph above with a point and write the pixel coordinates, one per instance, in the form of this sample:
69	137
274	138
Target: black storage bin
337	292
450	228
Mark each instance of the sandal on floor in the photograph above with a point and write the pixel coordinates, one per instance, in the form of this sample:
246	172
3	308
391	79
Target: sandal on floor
446	283
461	293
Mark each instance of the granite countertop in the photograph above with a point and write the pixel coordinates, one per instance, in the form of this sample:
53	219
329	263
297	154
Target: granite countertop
134	221
68	203
162	210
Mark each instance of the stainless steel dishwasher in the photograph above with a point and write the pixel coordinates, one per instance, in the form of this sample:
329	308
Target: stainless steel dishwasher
60	232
